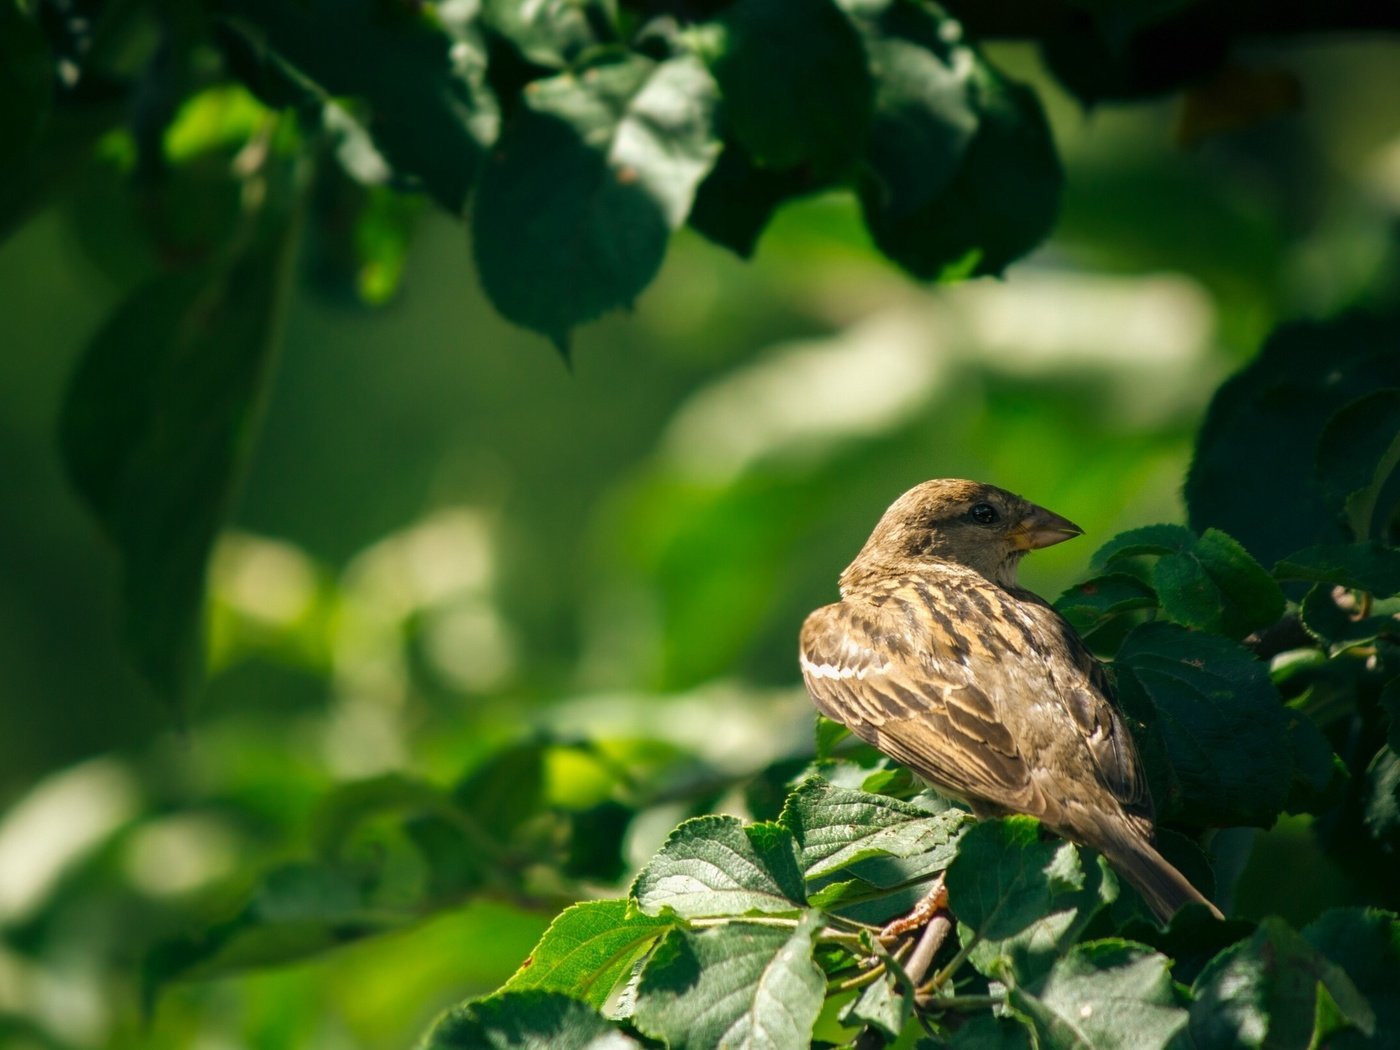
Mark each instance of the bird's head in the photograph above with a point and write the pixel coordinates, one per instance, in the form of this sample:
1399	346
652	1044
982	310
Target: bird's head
968	523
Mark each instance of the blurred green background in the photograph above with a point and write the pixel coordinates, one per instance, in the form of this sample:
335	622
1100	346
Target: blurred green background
449	540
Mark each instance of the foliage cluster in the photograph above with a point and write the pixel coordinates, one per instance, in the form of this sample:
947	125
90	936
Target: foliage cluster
1255	650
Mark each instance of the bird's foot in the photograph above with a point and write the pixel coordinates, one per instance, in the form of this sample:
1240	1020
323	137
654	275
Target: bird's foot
932	903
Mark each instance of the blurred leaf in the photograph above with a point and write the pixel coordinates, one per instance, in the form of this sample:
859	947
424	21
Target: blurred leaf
429	110
985	1031
297	911
923	118
1366	944
1390	702
26	82
1149	539
1108	993
505	789
383	232
588	948
350	804
590	178
1087	604
1236	98
1220	718
1264	991
598	840
1029	953
530	1019
1004	877
837	828
828	734
1317	772
1369	567
554	33
1357	454
155	431
794	82
1002	202
739	986
736	199
717	866
1254	470
1382	814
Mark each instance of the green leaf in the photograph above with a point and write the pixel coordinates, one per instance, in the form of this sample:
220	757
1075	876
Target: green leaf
1318	772
886	1004
1333	617
737	199
1102	995
1221	721
1187	593
1088	604
1263	992
1382	803
985	1032
1254	474
590	178
155	432
1366	944
351	804
793	77
1078	893
716	866
1135	543
1390	702
531	1019
588	948
425	97
1370	567
1004	877
738	986
836	828
1001	204
1357	454
553	33
1252	599
923	118
506	789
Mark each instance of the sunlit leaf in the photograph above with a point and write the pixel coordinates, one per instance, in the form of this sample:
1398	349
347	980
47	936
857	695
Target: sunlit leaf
529	1019
1263	992
552	33
590	178
588	948
717	866
1103	994
739	986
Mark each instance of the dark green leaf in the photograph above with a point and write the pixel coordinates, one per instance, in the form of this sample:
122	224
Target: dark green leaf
923	117
1263	992
1253	474
1252	599
717	866
1369	567
1187	593
1193	937
1317	771
1087	604
1103	994
738	986
1004	877
1357	453
505	790
155	432
1366	944
836	828
427	105
532	1019
351	804
1390	701
1002	202
553	33
1081	891
1135	543
735	201
591	177
794	81
985	1031
588	948
1333	616
1382	813
1222	723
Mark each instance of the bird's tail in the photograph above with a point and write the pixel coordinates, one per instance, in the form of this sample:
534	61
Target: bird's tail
1164	888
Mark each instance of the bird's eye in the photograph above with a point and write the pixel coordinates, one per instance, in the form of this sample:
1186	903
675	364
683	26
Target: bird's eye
983	514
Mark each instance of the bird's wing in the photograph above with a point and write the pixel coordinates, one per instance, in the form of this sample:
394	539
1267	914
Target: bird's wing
901	684
932	676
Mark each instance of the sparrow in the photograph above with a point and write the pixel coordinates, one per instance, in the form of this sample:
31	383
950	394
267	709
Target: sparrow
938	658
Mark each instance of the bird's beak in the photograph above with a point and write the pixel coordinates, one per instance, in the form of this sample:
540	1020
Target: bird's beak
1040	528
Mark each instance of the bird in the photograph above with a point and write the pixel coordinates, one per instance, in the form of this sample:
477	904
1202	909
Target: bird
937	657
